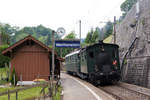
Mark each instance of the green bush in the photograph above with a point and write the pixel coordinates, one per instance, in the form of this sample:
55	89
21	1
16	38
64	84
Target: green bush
3	59
11	79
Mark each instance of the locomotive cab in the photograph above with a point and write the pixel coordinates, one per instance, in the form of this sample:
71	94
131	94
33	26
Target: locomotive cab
102	63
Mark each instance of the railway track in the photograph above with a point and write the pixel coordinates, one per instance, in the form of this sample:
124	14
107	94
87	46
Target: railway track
120	92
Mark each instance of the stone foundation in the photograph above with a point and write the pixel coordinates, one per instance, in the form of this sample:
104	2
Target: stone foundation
137	71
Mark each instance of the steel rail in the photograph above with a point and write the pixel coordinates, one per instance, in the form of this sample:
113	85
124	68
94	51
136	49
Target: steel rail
118	97
114	95
136	92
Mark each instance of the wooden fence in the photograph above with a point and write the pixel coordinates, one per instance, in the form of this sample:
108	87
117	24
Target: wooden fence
44	85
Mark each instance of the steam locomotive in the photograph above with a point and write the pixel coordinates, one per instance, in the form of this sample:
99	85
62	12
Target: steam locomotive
98	63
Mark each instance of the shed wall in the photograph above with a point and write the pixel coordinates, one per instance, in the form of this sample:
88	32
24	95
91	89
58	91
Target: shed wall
31	62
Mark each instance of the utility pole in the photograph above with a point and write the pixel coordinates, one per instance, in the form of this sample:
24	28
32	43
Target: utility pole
53	54
53	66
80	32
114	29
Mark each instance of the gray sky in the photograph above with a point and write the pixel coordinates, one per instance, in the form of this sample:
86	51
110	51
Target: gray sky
59	13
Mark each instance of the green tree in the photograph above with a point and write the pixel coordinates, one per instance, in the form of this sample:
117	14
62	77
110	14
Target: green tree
91	37
40	32
126	6
48	42
108	29
3	59
4	37
11	34
88	38
95	36
71	35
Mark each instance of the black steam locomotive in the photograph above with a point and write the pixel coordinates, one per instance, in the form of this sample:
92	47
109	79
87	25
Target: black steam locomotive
99	63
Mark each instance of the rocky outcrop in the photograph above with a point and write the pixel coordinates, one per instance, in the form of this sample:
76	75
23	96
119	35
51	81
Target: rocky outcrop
137	63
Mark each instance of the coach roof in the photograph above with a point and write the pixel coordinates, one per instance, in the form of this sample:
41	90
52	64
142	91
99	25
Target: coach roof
72	53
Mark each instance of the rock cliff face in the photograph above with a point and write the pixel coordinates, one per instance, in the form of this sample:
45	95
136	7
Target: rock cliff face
136	69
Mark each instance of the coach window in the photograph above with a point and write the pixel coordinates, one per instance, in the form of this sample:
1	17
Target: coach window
82	57
68	59
85	56
76	58
72	58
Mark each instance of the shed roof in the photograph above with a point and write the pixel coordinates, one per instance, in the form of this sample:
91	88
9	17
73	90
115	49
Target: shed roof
29	37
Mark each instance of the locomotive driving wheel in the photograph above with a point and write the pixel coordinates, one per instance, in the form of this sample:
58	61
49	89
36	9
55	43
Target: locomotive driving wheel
92	79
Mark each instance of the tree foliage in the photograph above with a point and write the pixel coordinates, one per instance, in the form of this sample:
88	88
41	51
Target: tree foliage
88	38
4	36
11	34
108	29
71	35
126	6
3	59
40	32
93	36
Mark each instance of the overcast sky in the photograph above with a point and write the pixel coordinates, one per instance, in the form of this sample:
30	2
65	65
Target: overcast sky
59	13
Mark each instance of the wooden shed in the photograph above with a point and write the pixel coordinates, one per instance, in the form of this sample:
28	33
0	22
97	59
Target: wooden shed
31	59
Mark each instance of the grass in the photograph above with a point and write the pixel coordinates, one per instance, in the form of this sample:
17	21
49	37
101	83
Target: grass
29	93
58	94
3	73
22	95
26	94
6	89
3	82
108	39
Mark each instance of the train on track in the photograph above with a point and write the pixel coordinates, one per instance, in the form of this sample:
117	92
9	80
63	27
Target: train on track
98	63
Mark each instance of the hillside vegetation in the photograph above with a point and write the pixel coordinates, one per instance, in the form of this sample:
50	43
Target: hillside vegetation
14	33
